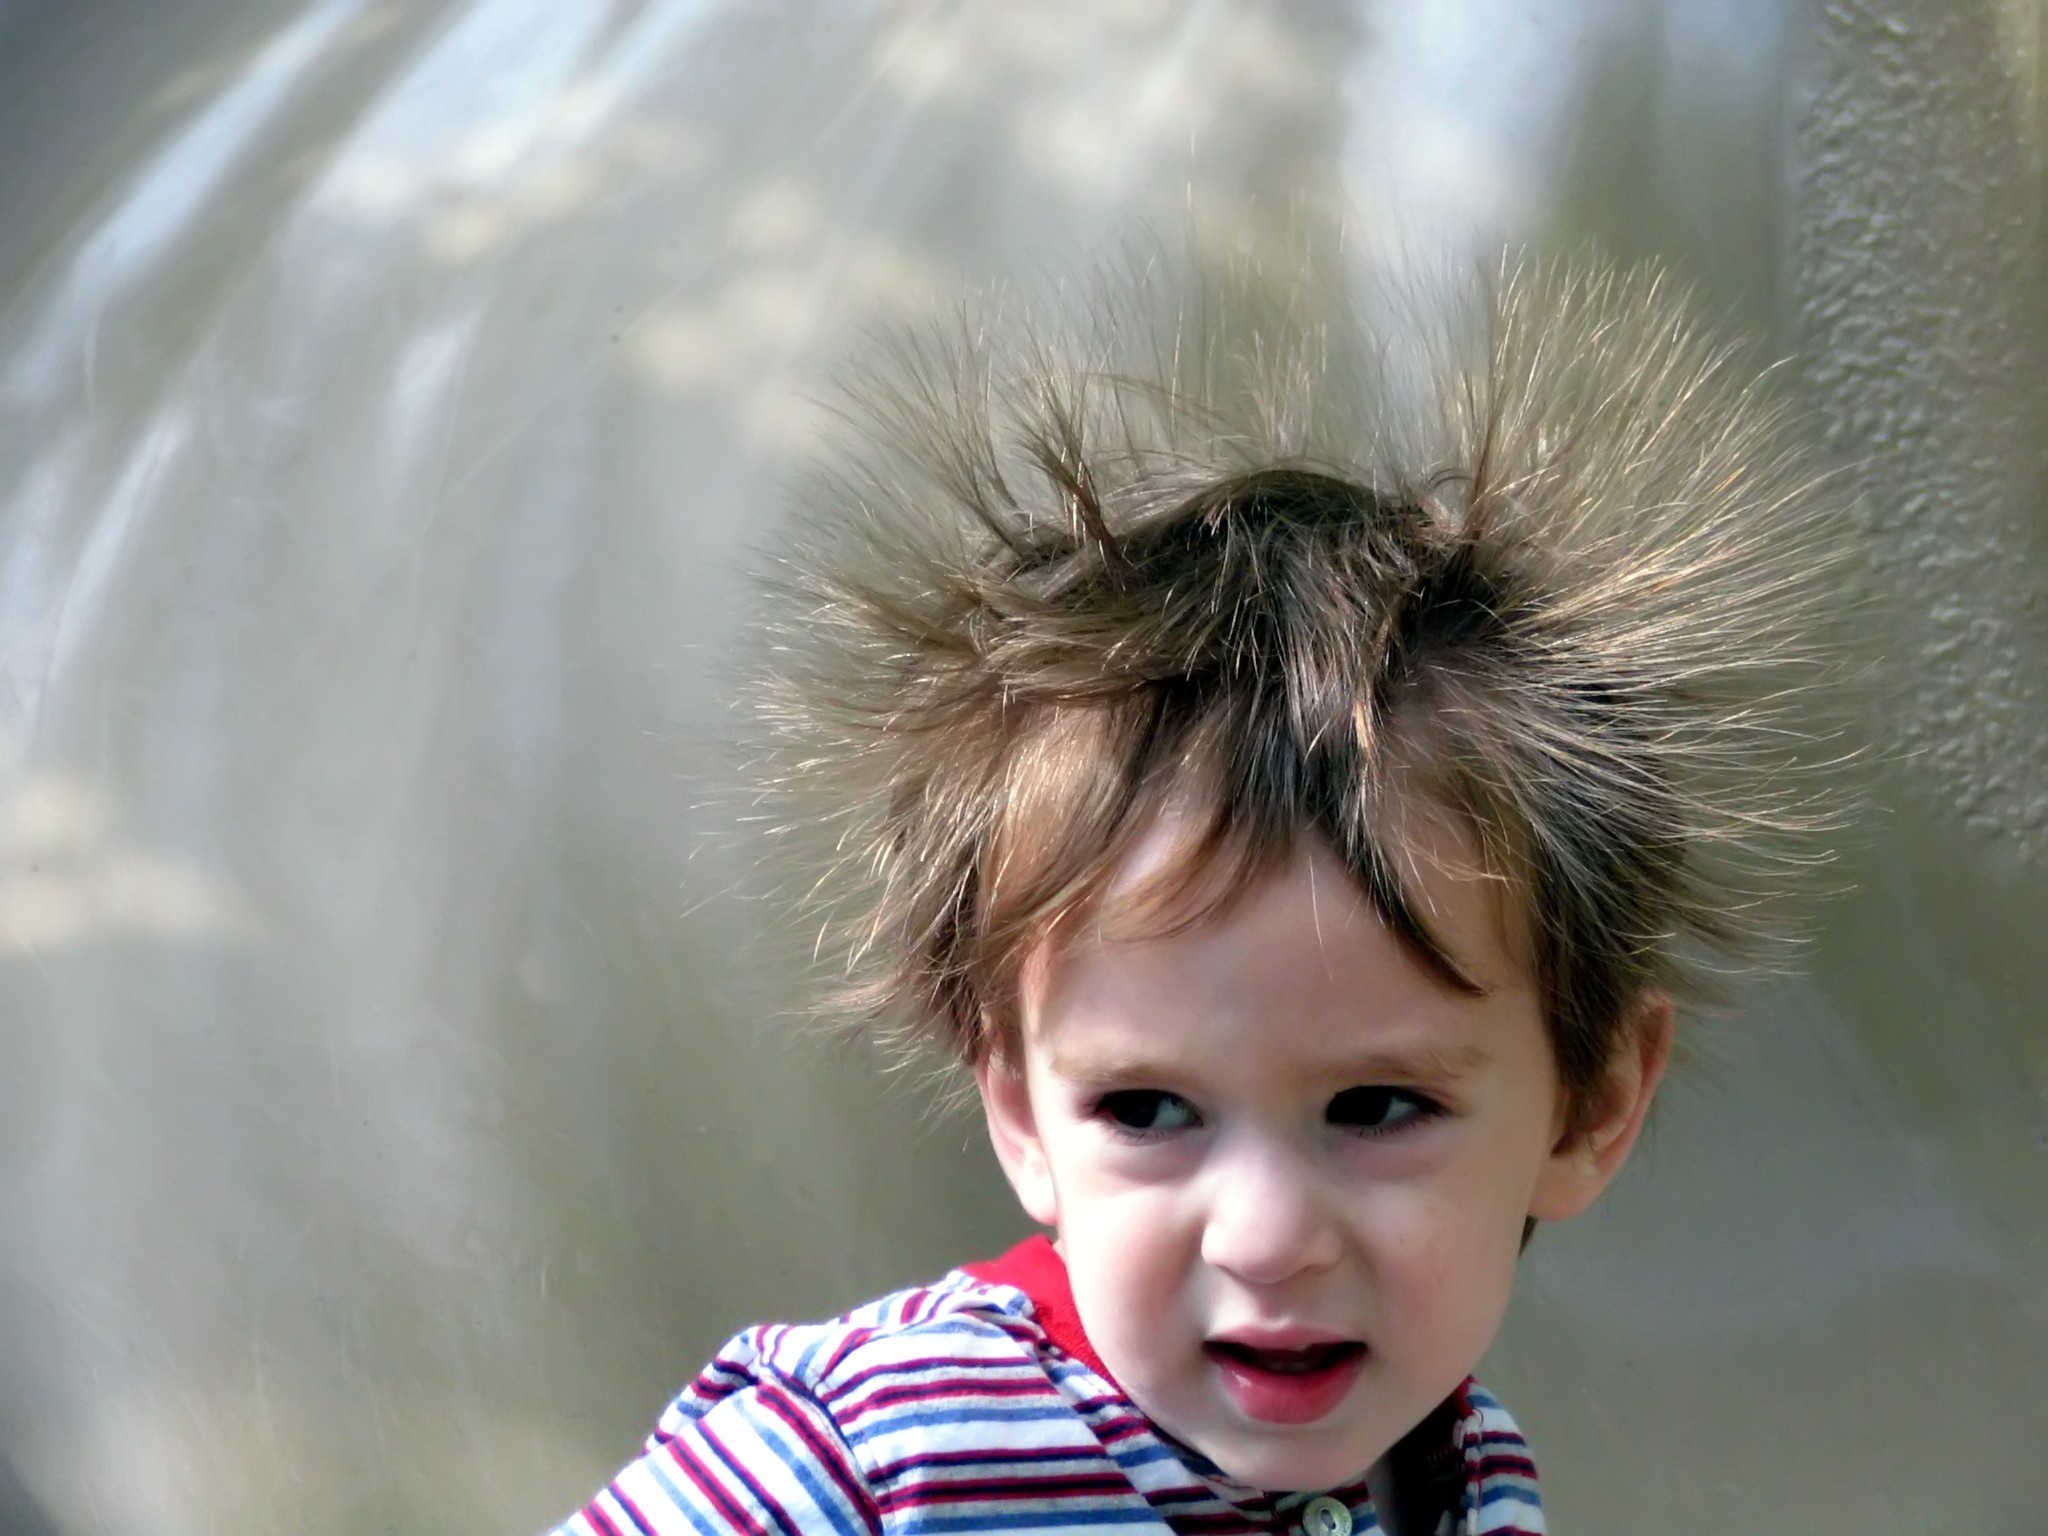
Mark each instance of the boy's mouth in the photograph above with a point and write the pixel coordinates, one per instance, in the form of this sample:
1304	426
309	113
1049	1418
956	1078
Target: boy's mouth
1286	1386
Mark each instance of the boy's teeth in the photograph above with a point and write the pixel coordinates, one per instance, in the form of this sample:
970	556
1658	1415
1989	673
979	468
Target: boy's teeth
1286	1361
1291	1362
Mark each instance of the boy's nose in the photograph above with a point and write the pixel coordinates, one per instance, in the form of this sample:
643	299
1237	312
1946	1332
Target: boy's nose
1268	1218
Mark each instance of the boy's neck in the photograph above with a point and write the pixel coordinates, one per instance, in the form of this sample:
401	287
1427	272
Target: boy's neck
1035	1267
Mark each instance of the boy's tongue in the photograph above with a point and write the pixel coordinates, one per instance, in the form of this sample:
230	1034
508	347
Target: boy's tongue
1286	1386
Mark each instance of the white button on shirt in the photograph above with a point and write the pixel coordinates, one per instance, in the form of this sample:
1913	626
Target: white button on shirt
1325	1516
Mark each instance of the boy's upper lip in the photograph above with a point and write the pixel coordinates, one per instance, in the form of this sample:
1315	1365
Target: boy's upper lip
1279	1336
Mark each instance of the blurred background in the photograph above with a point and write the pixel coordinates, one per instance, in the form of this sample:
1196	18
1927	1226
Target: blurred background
397	1097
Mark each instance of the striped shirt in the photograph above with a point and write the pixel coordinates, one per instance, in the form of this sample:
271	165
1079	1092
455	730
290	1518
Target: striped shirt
976	1405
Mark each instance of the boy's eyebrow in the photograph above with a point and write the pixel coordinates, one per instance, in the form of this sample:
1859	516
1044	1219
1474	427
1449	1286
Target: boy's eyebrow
1431	1062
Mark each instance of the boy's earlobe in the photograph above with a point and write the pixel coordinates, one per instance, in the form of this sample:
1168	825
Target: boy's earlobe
1587	1157
1013	1132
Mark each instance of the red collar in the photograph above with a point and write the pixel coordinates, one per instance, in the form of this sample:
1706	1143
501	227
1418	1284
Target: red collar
1035	1267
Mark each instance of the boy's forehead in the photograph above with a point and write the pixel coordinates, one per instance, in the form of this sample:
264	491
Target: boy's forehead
1299	958
1166	842
1273	1003
1469	907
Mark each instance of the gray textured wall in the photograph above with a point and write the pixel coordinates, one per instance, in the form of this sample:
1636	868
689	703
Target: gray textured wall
396	1104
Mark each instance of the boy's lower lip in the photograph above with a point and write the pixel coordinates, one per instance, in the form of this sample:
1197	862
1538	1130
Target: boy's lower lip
1300	1394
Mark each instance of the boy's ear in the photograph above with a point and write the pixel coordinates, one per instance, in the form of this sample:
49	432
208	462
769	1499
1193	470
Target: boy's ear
1587	1155
1013	1131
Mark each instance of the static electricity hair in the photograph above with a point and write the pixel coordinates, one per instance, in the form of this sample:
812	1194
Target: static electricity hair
1555	562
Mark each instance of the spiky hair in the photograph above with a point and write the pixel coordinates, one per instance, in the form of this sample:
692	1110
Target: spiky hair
1554	560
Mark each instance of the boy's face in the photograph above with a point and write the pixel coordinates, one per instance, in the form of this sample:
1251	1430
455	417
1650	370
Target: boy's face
1289	1167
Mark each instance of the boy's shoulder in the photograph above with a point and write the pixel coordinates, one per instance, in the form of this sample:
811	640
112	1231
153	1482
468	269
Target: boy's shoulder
864	1420
923	1338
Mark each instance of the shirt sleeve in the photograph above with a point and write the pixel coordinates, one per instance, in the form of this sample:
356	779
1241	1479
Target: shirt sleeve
766	1459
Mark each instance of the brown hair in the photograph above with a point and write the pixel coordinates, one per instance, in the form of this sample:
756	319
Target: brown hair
1565	576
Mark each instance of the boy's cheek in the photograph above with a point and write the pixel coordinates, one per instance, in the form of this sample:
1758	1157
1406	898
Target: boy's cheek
1129	1259
1450	1255
1437	1267
1441	1300
1133	1235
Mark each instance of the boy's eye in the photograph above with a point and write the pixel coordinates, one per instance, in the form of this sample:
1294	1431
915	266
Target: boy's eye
1378	1109
1146	1109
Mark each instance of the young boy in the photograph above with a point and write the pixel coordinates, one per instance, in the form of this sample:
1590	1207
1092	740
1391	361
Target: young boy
1299	822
